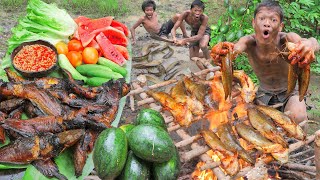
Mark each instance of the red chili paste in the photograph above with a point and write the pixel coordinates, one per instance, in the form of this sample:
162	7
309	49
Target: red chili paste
34	58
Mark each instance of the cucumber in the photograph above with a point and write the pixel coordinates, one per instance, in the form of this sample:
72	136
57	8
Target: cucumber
94	70
168	170
96	81
135	169
112	65
64	63
110	153
150	116
151	143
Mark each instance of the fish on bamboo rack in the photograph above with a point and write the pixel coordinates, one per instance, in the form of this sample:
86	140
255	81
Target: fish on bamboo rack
180	112
197	90
248	89
229	160
283	120
226	135
260	122
179	93
261	143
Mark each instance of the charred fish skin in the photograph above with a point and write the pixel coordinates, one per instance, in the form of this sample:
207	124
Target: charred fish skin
48	168
262	143
284	121
21	151
292	78
199	91
225	133
303	81
260	122
227	75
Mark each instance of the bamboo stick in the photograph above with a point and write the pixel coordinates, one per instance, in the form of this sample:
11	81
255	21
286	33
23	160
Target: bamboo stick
297	145
297	166
204	157
188	141
317	154
300	153
195	153
164	83
210	165
132	103
145	101
174	127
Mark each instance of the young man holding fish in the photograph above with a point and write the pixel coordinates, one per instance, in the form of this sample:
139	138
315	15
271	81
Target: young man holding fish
151	24
200	32
264	50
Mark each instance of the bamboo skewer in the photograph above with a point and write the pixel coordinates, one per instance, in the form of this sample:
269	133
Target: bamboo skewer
204	157
297	145
188	141
164	83
317	154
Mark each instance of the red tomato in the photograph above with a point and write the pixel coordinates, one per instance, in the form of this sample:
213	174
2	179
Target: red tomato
75	58
75	45
90	55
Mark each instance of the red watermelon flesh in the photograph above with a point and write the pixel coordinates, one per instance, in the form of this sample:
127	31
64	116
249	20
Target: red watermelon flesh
115	36
108	50
93	24
123	50
81	19
94	44
119	28
85	36
115	23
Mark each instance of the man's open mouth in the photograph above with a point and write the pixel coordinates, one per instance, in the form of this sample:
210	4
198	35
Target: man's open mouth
266	34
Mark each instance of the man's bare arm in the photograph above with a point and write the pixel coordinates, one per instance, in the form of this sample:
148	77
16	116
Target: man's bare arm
242	44
132	29
177	25
200	33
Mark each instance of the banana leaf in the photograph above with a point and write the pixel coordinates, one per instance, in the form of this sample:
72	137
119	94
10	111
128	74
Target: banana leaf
65	164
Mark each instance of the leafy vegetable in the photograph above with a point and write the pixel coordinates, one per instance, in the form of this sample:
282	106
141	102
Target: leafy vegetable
43	21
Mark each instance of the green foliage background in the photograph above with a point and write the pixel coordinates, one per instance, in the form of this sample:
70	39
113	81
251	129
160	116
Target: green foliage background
301	17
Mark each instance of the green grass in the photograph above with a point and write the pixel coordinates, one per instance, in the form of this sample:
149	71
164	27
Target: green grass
93	8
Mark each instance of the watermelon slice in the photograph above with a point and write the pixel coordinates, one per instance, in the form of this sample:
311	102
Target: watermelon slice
85	36
115	36
93	24
108	50
81	19
123	50
115	23
94	44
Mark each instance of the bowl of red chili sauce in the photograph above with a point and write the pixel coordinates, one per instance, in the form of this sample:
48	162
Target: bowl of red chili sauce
35	58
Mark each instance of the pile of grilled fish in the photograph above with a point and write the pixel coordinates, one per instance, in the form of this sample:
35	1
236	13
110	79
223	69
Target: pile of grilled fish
62	113
230	119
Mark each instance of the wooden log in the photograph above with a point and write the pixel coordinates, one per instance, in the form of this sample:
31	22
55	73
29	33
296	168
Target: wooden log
317	154
194	153
299	144
307	159
300	153
132	103
173	128
204	157
188	141
145	101
297	166
164	83
210	165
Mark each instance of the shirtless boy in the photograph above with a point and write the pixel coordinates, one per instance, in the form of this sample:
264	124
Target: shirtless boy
271	67
200	32
151	24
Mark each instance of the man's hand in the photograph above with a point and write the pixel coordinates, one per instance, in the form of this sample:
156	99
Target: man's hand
180	42
301	53
220	50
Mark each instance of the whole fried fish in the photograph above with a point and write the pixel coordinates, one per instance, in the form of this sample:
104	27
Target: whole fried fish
260	122
248	90
180	95
180	112
249	134
197	90
229	160
224	131
284	121
227	74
